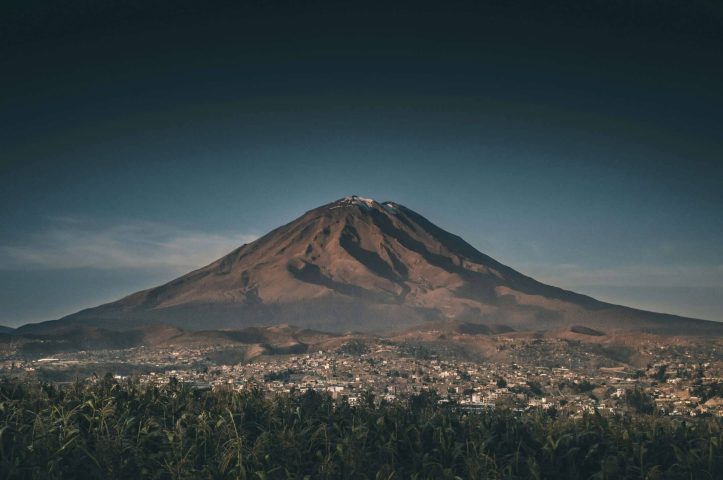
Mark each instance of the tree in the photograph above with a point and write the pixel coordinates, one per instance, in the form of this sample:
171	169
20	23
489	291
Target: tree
640	401
660	375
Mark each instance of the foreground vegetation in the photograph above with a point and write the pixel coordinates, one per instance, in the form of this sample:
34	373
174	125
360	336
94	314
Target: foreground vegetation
110	430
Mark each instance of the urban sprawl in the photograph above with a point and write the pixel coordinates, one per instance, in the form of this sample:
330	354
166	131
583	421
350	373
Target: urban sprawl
555	375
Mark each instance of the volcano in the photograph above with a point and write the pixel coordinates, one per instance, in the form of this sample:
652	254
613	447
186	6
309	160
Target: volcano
359	265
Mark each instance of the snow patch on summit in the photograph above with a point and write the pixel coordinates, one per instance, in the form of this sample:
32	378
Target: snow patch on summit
354	200
391	207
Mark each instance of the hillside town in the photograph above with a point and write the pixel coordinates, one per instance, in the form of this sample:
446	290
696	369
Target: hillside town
557	376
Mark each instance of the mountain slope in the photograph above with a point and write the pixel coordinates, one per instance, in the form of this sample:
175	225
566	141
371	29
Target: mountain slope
356	264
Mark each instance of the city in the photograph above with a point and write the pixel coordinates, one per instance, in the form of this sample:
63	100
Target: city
560	376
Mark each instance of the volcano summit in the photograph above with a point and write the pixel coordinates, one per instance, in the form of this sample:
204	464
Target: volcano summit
360	265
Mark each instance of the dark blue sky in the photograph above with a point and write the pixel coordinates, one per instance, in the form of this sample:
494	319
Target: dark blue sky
580	144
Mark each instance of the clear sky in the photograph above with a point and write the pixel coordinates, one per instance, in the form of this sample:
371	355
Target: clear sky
579	143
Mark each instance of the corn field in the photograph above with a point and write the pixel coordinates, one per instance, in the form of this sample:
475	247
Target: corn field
109	430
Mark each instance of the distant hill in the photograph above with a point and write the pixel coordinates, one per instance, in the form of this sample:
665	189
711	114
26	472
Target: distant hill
249	342
357	264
